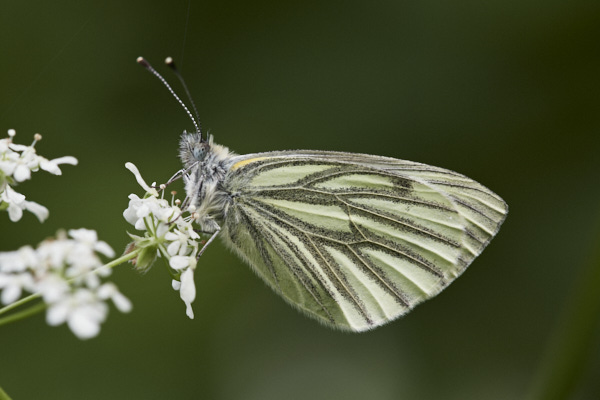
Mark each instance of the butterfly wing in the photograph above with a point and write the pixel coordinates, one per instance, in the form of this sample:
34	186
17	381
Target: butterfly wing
355	240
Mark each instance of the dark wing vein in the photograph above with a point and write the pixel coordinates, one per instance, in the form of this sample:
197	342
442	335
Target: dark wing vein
267	232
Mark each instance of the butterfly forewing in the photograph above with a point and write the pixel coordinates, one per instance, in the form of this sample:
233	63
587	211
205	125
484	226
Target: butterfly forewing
355	240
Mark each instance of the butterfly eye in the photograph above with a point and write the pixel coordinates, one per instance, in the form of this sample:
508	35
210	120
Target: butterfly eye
199	151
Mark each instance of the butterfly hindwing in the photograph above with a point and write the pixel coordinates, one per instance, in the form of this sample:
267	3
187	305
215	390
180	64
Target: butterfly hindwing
355	240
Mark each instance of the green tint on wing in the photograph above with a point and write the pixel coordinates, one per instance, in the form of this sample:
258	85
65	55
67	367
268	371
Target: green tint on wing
356	240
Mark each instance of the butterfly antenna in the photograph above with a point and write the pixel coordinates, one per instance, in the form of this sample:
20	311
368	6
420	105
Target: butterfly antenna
142	61
169	61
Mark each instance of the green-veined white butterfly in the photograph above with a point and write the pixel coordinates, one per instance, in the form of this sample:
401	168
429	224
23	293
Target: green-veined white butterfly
352	240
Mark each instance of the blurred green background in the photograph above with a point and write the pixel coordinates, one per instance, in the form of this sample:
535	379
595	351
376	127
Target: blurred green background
505	92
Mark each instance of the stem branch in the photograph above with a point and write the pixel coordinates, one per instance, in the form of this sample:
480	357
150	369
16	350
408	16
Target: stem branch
28	312
124	258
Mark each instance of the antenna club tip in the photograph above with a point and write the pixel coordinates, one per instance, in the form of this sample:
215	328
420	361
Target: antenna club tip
171	64
142	61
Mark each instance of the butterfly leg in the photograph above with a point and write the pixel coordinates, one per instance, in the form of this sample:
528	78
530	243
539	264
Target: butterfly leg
214	235
179	174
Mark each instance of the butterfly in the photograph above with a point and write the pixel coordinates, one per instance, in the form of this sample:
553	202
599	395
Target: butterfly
352	240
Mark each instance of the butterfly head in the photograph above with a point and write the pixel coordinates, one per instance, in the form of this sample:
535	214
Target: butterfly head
193	148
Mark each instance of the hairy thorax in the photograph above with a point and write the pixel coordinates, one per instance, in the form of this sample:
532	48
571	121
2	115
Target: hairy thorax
205	166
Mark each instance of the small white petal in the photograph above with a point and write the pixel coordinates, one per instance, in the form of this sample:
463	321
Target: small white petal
139	179
122	303
104	271
83	325
19	147
110	291
22	173
103	248
176	284
53	288
10	294
193	234
65	160
171	236
50	166
140	225
173	248
130	215
142	210
56	252
13	197
17	261
91	280
106	291
162	229
8	167
38	210
57	313
14	213
187	292
179	262
189	311
84	235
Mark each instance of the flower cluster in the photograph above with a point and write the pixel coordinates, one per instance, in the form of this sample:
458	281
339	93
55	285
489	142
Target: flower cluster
17	162
66	272
168	233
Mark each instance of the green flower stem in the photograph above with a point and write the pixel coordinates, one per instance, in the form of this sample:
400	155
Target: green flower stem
18	303
149	226
3	395
124	258
28	312
570	346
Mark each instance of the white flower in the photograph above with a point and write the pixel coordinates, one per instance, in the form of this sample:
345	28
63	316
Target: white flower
132	214
17	203
180	242
168	232
53	252
52	165
139	209
187	290
81	256
182	262
82	311
186	286
110	291
13	284
90	238
66	272
17	261
17	162
140	180
53	288
14	274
